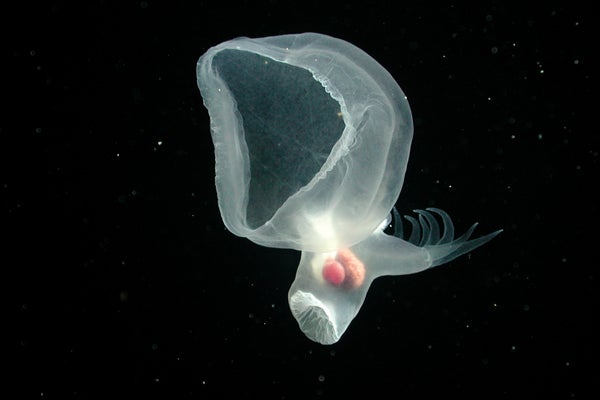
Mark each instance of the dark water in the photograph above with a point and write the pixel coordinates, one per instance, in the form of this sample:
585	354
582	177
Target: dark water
122	280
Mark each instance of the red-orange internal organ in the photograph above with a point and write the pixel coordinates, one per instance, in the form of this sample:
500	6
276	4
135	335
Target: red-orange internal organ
333	272
346	270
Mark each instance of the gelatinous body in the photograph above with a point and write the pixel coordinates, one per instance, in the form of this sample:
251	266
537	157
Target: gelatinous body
312	138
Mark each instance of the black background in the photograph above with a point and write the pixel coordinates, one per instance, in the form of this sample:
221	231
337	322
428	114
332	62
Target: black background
122	280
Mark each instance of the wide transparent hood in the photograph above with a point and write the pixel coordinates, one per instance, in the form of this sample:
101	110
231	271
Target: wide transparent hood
311	138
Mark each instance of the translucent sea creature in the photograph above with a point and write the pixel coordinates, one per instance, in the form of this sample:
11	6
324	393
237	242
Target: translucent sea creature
312	138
